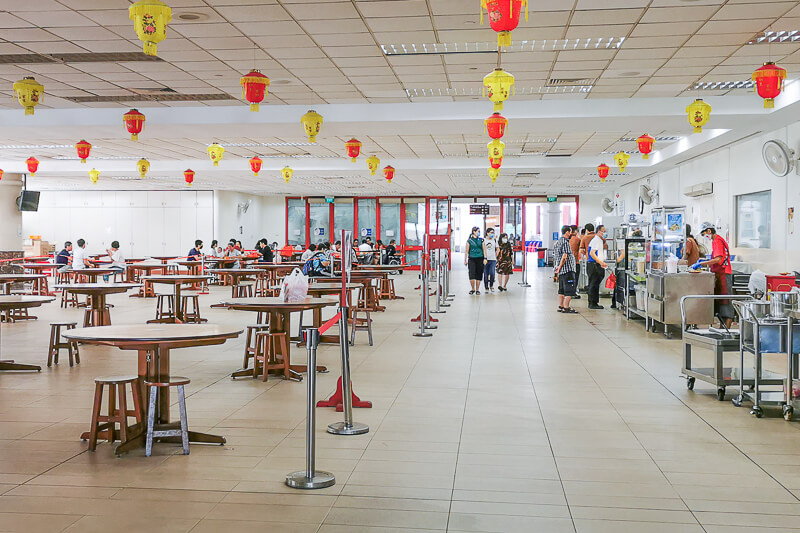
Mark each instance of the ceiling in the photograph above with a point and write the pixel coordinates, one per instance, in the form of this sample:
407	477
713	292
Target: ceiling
420	112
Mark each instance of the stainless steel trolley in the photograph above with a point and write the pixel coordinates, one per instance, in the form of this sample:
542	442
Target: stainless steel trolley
718	341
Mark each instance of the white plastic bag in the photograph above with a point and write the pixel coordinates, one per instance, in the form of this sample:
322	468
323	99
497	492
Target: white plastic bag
672	264
294	287
757	284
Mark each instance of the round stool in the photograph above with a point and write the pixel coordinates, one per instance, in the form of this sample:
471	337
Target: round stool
56	344
118	412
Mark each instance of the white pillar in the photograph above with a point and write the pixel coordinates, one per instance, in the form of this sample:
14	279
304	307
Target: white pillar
10	217
552	224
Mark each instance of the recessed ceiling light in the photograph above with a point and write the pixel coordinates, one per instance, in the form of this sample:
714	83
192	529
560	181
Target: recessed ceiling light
193	17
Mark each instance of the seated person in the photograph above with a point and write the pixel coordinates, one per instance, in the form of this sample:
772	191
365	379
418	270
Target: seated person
308	253
195	254
263	249
231	252
317	265
365	252
80	259
391	250
63	257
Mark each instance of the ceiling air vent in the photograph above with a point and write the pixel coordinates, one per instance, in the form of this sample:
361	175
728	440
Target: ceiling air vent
108	57
527	175
161	96
569	82
558	154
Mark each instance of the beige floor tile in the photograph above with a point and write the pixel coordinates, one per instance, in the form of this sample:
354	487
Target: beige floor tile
615	526
387	518
507	524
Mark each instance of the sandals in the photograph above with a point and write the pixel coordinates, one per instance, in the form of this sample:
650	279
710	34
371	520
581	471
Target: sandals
569	311
472	292
560	309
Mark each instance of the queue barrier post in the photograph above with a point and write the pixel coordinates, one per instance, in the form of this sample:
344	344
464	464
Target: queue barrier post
524	282
423	296
348	427
439	277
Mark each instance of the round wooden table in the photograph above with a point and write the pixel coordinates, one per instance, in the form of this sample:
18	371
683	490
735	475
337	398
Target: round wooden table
8	279
9	303
280	313
176	281
153	344
42	268
164	258
97	314
147	269
93	273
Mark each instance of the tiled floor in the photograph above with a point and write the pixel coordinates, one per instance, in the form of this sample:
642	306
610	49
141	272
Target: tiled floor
510	418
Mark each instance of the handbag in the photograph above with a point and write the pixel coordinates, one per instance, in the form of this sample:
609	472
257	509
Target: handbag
294	287
611	281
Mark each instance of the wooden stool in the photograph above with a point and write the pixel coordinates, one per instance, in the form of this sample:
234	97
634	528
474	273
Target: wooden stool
360	323
170	311
56	344
266	354
244	289
194	315
105	425
250	342
152	432
262	286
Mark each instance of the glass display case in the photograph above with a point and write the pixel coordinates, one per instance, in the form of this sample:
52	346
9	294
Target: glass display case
635	262
669	236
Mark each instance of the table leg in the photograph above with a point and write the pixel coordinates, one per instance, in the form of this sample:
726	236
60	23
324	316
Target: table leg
100	315
179	319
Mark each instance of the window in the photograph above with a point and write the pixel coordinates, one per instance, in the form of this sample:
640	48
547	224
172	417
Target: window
296	221
753	220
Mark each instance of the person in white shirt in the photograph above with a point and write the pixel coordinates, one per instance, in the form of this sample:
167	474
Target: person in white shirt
596	267
79	258
489	260
309	253
117	259
365	249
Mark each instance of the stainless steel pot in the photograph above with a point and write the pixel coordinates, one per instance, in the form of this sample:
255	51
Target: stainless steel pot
758	309
780	303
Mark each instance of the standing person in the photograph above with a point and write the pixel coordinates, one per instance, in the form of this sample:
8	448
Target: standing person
473	257
575	245
63	257
720	265
595	266
194	254
505	259
587	235
489	260
691	252
565	270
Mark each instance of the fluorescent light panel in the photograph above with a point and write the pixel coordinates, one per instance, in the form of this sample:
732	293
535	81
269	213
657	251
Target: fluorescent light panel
543	45
472	91
722	85
768	37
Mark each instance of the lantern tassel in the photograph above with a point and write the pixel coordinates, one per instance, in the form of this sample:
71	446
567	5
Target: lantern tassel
353	159
254	107
504	38
525	3
134	136
769	103
498	106
29	111
698	129
483	6
645	156
150	49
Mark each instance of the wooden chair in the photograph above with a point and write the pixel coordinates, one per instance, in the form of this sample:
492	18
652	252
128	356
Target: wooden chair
56	344
266	354
250	342
153	432
104	426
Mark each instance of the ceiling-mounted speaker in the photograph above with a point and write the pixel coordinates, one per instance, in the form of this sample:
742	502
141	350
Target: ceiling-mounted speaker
608	205
647	194
779	158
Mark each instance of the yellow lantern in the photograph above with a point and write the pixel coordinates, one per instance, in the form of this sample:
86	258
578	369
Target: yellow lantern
215	152
312	123
94	175
493	174
497	149
29	93
621	159
699	114
372	164
150	19
498	86
286	173
143	165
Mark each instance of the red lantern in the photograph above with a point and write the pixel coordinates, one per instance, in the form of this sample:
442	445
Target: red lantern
33	165
645	143
83	148
188	175
769	82
353	149
388	173
496	162
255	165
504	17
134	121
602	171
254	88
1	173
496	125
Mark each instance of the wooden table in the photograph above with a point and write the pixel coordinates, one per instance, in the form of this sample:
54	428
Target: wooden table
280	313
149	269
164	258
176	281
8	279
386	290
153	344
13	302
276	270
93	273
237	275
97	314
45	269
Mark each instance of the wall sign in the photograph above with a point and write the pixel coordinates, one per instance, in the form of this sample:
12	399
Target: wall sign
479	209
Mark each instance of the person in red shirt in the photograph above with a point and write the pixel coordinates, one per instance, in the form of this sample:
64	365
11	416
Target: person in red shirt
720	265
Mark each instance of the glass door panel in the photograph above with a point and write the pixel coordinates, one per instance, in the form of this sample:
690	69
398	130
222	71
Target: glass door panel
512	225
367	219
390	222
439	216
414	230
296	222
319	215
343	218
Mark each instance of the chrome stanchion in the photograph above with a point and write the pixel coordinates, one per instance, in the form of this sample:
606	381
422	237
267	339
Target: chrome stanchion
423	308
439	291
445	277
426	299
524	282
448	295
311	478
348	427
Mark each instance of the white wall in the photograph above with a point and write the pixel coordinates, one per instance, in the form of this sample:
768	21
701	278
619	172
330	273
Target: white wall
264	218
11	225
144	222
736	169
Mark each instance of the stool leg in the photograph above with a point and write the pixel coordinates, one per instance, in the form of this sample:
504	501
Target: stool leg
112	406
136	393
353	329
71	354
267	346
369	327
257	350
98	402
151	417
248	339
184	421
123	412
285	348
51	348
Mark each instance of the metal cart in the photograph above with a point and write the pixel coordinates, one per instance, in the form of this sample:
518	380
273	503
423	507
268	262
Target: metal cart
759	337
718	341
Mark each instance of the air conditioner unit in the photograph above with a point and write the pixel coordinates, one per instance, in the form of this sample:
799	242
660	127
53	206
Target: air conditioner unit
701	189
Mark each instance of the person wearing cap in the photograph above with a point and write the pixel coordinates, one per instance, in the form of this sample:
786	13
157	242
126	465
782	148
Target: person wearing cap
720	265
473	258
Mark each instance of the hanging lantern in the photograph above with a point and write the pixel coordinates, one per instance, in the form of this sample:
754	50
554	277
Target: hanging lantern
29	93
83	148
215	152
602	171
698	114
769	82
143	165
497	149
134	122
498	86
495	163
150	19
388	173
188	176
504	17
621	159
493	174
286	173
33	165
94	175
353	149
255	165
312	122
496	125
645	143
254	88
372	164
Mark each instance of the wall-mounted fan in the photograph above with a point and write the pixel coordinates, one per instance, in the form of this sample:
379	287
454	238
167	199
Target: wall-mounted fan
647	194
242	207
778	157
608	205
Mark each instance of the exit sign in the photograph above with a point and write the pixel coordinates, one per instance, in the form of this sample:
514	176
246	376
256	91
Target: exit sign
329	199
552	198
